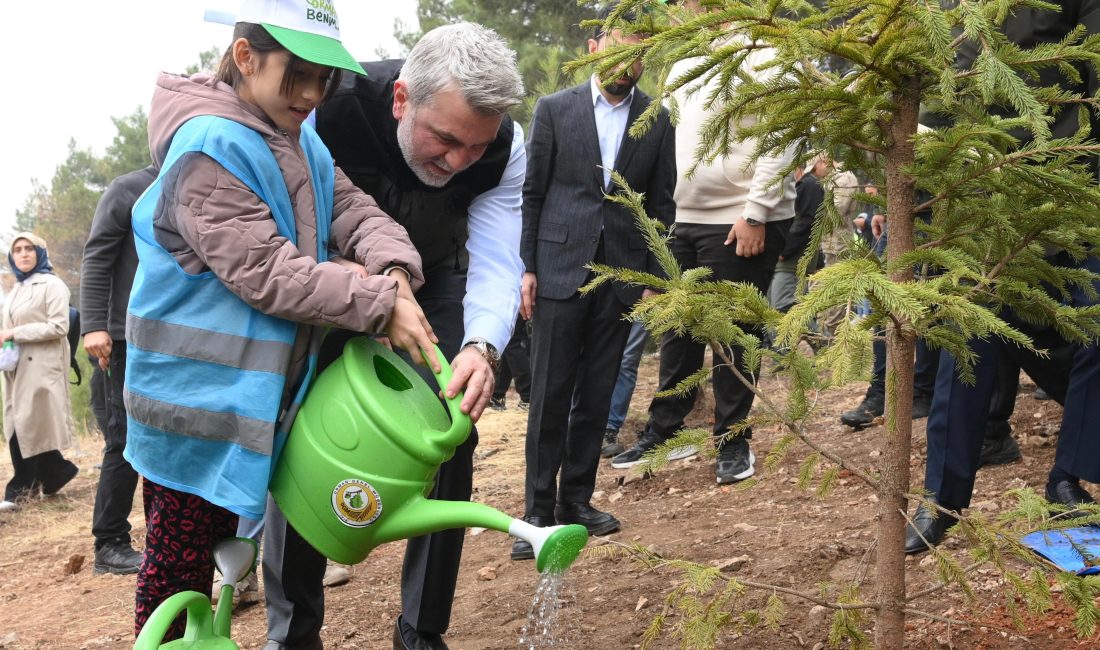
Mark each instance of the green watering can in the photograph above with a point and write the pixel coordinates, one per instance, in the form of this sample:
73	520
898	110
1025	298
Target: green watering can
235	558
363	455
355	473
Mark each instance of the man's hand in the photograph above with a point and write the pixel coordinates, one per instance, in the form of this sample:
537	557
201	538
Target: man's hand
98	344
474	375
749	239
649	293
528	286
409	330
878	224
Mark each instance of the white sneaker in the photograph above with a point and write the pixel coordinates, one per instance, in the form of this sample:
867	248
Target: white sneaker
8	505
336	575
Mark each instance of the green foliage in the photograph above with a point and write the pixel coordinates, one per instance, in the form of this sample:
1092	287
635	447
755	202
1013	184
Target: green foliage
543	33
983	196
80	396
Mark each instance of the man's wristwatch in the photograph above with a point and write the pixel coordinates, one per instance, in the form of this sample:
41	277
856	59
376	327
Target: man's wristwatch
486	349
753	222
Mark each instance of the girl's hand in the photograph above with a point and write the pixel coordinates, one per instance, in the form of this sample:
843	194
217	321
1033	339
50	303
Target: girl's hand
6	335
409	330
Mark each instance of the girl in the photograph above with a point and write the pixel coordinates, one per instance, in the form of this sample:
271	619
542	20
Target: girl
37	419
232	239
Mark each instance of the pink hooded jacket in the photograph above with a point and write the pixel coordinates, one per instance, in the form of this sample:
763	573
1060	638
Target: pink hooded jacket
207	218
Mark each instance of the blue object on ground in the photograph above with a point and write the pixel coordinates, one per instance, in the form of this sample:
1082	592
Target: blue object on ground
1070	549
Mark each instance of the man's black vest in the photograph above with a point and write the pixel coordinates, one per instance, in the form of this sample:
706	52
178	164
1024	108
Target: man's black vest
358	126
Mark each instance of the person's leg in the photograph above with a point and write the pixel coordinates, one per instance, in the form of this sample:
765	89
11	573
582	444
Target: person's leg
1078	454
998	446
783	284
956	425
732	398
117	480
181	531
293	590
559	328
21	485
521	362
51	470
430	570
605	334
627	378
680	356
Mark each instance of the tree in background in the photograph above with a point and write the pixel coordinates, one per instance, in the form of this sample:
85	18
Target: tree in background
544	33
1002	191
62	211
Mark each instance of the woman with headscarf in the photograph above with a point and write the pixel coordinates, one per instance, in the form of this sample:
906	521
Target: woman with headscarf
37	419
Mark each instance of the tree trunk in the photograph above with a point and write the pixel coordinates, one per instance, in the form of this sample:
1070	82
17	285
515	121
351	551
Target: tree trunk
900	348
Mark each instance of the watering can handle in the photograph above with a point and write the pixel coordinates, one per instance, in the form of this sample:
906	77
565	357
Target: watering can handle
460	422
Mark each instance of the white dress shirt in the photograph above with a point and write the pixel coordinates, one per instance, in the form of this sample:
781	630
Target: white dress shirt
610	126
493	281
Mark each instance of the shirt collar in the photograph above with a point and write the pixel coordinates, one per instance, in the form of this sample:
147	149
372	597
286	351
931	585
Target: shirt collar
597	95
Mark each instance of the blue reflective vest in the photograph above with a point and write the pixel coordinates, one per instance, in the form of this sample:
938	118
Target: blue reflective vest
206	372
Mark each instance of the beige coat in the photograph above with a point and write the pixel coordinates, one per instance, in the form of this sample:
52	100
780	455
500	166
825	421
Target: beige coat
36	393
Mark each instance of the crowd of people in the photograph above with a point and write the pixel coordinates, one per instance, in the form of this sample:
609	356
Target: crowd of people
297	190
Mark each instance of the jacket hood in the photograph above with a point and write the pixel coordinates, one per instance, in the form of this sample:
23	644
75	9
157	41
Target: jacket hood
178	98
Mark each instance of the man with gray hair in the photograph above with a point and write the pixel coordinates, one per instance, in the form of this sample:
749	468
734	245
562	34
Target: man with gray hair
430	139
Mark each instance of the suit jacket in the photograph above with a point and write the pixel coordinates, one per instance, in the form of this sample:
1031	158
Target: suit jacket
564	208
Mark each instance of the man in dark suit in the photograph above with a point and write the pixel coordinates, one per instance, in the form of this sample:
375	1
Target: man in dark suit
578	136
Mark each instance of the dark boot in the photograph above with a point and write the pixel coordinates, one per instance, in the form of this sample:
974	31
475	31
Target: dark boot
872	406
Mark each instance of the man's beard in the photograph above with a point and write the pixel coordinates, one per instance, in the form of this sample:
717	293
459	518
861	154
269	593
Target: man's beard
617	89
405	142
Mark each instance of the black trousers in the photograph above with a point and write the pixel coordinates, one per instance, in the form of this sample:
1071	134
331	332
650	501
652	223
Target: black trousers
293	570
114	497
696	245
956	425
48	471
515	363
576	346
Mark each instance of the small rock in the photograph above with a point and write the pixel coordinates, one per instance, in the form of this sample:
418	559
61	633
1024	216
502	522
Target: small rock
818	613
653	549
985	506
820	645
487	573
8	640
732	563
73	565
875	453
598	494
474	532
615	496
686	504
642	602
485	453
744	528
674	490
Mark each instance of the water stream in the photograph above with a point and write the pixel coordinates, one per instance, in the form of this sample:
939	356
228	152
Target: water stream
549	621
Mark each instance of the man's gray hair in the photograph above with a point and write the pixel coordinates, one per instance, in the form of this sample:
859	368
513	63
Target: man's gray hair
473	59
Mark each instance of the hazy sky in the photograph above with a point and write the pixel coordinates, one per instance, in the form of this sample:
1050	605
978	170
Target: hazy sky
73	64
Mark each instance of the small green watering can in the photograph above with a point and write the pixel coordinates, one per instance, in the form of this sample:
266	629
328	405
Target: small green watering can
235	558
363	455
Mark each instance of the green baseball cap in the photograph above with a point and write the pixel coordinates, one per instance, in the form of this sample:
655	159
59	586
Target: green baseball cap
308	28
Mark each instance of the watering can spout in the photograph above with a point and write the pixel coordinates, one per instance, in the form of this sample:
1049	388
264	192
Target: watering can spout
556	547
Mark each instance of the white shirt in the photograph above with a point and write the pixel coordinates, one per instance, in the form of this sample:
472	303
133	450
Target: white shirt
610	126
492	284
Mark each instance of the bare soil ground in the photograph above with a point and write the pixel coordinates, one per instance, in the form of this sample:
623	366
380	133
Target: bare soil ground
790	537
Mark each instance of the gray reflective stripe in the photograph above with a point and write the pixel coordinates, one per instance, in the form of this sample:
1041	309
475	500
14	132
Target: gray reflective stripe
250	433
203	345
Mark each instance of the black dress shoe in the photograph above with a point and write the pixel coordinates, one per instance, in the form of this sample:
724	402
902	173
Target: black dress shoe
596	521
1069	494
406	638
521	548
930	530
